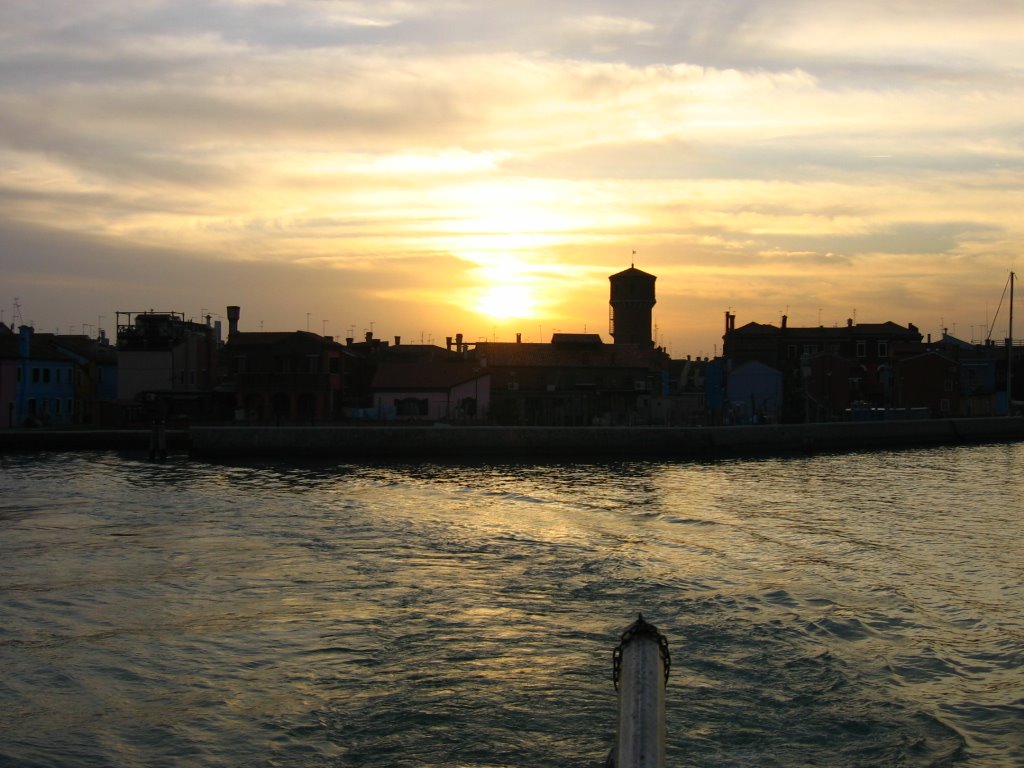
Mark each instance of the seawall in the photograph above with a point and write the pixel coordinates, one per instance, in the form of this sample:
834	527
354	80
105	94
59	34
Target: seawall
428	442
88	439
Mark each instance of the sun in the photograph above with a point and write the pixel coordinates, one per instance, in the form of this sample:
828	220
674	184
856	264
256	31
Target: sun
506	302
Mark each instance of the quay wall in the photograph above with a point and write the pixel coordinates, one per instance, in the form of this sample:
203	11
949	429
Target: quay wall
428	442
88	439
570	442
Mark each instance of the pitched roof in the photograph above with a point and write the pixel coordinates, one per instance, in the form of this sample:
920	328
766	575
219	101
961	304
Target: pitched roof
887	329
295	339
424	375
633	271
511	354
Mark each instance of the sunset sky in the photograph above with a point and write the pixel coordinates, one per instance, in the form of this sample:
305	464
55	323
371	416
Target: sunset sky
436	167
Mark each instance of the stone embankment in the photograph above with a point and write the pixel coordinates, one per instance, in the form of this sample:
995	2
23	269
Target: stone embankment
441	442
90	439
426	442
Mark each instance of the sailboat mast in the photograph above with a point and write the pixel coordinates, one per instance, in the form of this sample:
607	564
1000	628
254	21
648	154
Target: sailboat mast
1009	354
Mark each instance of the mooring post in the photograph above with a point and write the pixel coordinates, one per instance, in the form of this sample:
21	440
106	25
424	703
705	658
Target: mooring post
158	441
640	667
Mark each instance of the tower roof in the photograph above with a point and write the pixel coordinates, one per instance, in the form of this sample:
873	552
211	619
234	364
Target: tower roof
632	272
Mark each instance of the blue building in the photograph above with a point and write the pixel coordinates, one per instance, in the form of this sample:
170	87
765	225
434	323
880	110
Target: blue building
45	382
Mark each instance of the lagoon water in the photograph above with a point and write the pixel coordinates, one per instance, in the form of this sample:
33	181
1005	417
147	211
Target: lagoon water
858	609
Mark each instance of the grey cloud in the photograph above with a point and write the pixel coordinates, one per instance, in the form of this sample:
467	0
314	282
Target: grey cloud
908	238
66	277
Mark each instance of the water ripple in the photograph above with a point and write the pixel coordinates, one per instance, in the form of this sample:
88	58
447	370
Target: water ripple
849	610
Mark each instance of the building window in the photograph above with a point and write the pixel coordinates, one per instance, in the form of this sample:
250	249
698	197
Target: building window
791	351
883	349
31	406
411	406
947	385
57	374
810	349
35	375
239	363
19	374
862	349
334	364
46	375
56	407
944	405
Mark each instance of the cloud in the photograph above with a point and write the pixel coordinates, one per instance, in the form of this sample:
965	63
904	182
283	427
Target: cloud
725	142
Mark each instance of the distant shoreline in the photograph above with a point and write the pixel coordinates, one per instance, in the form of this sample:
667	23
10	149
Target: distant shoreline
458	442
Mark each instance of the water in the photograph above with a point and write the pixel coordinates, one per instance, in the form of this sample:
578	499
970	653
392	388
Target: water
845	610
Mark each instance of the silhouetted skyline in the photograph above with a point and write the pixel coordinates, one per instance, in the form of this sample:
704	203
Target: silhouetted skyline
419	169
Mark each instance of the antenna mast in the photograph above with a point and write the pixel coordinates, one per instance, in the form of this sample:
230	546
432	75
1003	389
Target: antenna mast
1009	354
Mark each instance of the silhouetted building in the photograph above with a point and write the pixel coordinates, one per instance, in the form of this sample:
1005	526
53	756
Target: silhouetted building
929	380
95	399
8	376
44	380
430	384
632	301
167	366
825	370
576	380
284	377
754	392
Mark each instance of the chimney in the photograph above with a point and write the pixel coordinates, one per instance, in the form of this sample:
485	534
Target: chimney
448	342
369	336
784	319
458	342
233	314
849	322
398	340
519	338
348	341
25	340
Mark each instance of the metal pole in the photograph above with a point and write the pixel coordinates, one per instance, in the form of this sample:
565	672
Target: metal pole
1009	356
640	671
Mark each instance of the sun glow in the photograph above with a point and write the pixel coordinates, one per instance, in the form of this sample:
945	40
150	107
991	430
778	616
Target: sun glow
506	302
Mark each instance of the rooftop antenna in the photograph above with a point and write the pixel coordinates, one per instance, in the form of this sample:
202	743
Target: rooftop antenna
632	262
16	321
